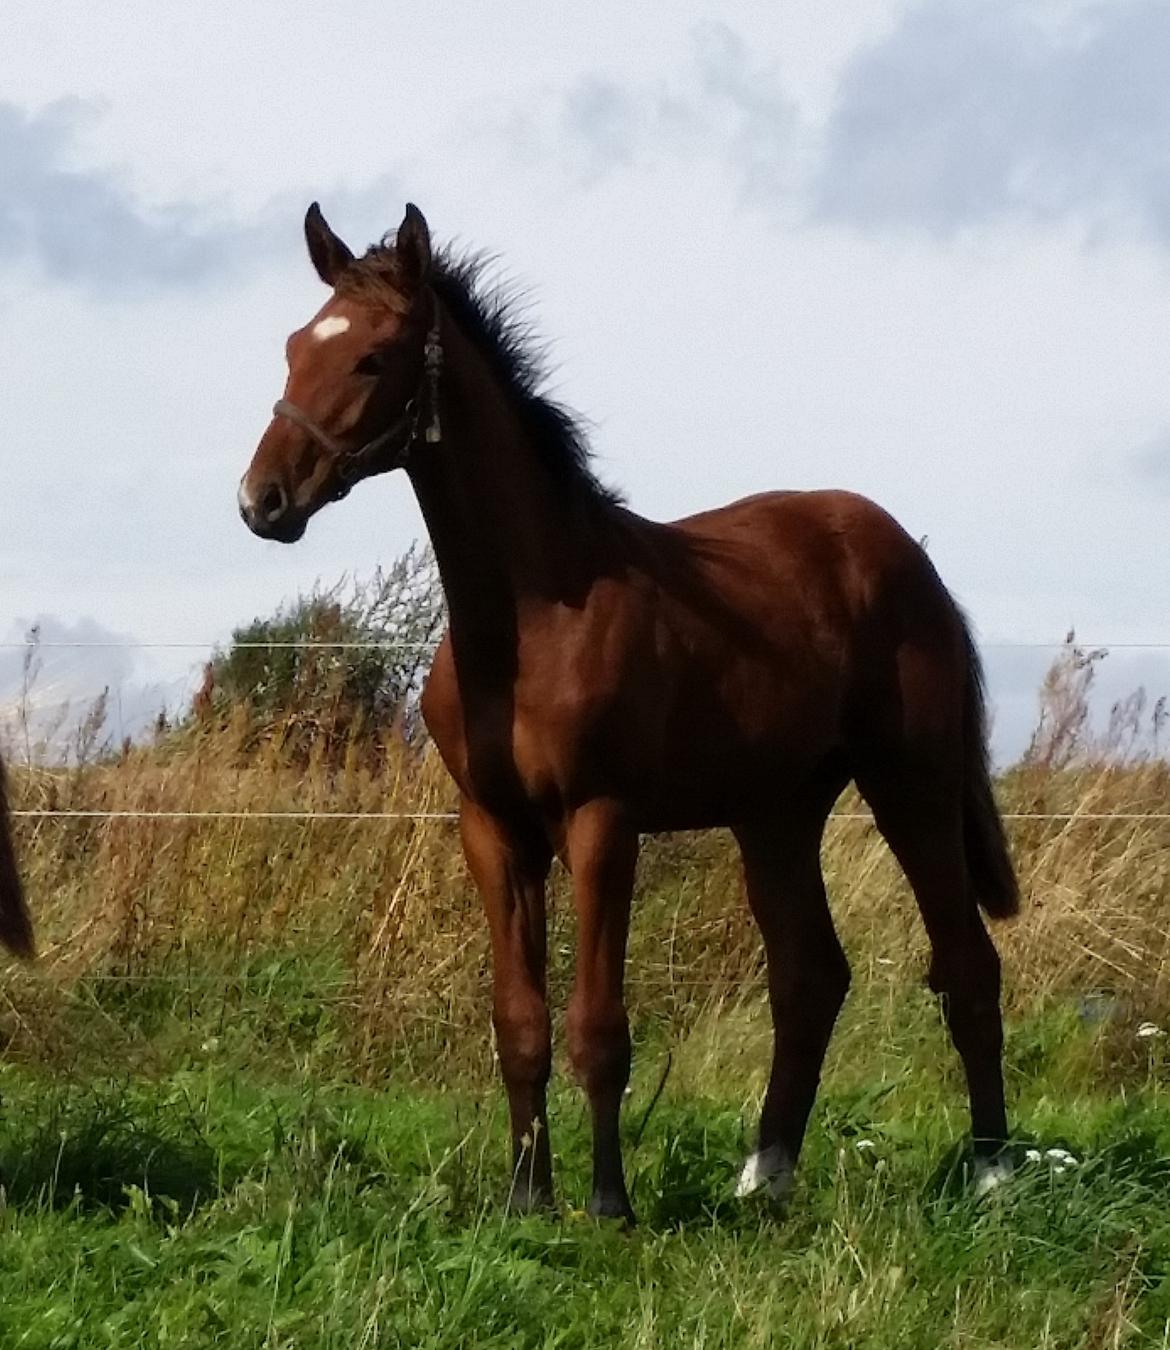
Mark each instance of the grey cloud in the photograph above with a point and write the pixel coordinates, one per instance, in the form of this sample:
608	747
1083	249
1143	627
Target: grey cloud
1151	464
86	226
964	113
967	111
760	123
724	104
1015	674
46	691
604	118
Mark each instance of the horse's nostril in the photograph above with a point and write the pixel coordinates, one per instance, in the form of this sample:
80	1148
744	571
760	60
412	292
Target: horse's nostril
273	503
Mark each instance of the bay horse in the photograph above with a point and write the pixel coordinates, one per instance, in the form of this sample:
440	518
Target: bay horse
605	676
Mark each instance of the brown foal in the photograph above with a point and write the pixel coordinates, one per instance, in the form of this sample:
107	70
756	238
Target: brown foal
606	676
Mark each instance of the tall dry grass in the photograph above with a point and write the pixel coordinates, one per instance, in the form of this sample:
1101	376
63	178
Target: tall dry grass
385	908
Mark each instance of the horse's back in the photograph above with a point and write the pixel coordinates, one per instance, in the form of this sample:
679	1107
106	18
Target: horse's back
865	635
828	559
807	527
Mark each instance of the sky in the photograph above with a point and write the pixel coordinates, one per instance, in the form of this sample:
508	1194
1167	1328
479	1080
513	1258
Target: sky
921	251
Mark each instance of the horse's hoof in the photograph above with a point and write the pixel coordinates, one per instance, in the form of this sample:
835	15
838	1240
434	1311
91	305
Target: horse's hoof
524	1199
768	1171
613	1205
991	1173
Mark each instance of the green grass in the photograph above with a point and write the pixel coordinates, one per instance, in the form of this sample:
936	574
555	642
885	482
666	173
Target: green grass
236	1183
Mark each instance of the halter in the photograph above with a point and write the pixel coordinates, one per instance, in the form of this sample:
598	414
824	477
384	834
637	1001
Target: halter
351	460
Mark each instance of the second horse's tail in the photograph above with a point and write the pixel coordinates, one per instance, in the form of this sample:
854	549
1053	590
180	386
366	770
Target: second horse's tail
16	931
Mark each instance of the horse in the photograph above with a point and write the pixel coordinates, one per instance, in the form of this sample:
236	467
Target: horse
16	932
605	676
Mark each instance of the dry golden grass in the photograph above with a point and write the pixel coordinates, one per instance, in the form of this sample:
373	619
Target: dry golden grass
389	900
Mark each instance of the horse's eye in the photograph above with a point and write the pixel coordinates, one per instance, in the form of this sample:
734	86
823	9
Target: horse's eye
373	363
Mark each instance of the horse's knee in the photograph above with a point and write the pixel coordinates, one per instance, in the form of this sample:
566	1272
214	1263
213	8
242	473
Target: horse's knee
599	1045
967	969
524	1044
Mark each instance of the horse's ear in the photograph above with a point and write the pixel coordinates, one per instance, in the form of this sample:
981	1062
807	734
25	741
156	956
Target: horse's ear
330	254
413	244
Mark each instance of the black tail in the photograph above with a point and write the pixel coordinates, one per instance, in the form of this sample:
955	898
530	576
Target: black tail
15	926
993	877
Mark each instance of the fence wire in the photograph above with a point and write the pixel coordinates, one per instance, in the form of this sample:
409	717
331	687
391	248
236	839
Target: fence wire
1006	644
49	813
39	645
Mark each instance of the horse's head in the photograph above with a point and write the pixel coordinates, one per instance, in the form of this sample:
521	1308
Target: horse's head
361	377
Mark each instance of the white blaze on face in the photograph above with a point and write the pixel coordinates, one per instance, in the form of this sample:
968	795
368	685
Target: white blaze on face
329	327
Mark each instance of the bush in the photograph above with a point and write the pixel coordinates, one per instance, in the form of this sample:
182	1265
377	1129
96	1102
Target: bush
337	664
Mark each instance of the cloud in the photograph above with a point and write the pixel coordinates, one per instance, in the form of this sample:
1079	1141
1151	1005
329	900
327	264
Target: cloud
725	104
758	123
1015	676
85	226
964	114
48	689
1151	464
968	111
605	119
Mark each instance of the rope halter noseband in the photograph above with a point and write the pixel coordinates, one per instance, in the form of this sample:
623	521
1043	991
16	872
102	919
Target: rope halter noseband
350	461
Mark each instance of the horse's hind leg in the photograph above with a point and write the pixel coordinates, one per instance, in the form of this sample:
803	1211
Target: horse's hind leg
808	977
919	811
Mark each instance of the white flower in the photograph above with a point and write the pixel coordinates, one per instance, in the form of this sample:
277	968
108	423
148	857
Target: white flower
863	1144
1148	1030
211	1045
1060	1159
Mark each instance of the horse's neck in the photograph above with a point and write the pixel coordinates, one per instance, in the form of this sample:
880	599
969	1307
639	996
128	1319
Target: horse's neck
506	538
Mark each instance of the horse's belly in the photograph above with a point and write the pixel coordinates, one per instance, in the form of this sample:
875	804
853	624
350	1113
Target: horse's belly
695	772
699	793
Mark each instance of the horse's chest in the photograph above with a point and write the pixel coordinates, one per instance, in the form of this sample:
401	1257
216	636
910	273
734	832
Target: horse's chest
504	747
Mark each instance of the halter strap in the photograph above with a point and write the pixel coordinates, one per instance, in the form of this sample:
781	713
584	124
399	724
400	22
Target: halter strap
351	458
404	431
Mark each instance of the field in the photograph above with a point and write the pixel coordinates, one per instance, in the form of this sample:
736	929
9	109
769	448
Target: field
248	1095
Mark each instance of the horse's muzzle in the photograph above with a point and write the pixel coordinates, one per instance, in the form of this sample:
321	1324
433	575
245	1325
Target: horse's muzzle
270	514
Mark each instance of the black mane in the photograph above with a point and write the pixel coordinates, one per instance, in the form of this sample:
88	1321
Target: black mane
491	317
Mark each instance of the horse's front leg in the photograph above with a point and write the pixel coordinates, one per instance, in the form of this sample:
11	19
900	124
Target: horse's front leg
510	868
602	851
